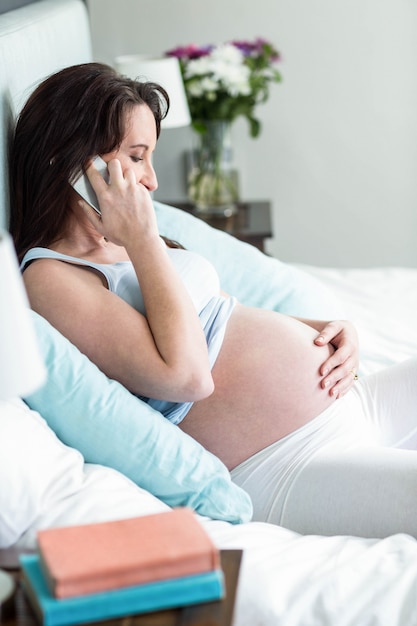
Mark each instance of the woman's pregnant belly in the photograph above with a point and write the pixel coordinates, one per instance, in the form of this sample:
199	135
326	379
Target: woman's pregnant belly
267	384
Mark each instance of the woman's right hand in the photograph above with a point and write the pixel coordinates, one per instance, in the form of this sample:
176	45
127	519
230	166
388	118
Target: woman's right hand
127	213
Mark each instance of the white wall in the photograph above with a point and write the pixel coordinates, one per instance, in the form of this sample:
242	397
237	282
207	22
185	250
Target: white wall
338	152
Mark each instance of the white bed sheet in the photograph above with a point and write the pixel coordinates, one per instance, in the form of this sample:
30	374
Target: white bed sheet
286	579
289	579
382	303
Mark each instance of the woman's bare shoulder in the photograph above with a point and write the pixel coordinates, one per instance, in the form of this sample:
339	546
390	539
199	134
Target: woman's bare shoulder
48	276
58	290
75	301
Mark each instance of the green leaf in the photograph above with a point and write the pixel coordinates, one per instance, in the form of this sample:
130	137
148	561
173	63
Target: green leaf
254	127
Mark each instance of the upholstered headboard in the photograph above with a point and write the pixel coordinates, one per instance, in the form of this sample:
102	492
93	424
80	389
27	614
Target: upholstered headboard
35	41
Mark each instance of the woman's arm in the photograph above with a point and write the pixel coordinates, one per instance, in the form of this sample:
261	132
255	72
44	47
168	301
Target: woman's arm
163	355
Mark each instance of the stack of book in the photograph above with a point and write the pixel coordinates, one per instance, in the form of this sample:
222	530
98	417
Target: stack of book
112	569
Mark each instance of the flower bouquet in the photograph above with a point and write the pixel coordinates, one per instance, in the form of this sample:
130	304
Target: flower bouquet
223	82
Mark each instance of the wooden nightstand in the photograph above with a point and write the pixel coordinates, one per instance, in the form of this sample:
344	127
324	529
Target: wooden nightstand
251	223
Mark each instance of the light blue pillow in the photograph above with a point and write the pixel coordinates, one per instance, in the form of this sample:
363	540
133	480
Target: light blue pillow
110	426
254	278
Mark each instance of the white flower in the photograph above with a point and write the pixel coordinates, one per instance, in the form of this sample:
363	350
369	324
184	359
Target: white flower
227	53
234	79
223	69
198	67
203	87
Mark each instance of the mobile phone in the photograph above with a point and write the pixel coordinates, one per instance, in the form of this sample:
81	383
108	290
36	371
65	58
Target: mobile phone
83	186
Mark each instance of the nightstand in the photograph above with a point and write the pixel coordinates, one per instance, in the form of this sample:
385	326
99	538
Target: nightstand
251	223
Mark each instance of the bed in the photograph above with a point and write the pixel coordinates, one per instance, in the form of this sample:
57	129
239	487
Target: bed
49	477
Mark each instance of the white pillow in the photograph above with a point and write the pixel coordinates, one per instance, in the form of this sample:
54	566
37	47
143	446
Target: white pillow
35	468
45	483
104	494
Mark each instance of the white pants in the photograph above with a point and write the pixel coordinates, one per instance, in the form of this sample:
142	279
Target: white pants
350	471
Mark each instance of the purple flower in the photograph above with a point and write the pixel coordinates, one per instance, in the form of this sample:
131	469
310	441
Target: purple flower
258	47
189	52
245	47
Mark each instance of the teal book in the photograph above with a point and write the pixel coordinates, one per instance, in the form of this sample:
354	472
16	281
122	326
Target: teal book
145	598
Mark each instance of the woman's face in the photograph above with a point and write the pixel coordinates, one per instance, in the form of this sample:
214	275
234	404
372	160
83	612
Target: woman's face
138	145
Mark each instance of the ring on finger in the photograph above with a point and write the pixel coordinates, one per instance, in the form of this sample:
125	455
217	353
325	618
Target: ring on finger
354	374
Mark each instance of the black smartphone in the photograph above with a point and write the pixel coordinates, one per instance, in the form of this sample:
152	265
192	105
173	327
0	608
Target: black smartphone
83	186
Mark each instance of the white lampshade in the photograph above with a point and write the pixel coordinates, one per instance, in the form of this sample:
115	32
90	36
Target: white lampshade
22	369
167	73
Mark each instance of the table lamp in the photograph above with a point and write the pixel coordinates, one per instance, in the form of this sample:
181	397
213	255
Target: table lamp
166	72
22	368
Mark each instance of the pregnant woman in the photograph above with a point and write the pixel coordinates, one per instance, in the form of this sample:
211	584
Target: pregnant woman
276	398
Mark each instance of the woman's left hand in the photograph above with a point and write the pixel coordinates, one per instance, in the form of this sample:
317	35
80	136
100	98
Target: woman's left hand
339	370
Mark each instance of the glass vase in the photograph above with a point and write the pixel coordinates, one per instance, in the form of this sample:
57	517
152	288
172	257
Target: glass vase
212	183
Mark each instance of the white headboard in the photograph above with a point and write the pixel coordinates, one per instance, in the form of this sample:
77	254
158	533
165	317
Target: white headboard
35	41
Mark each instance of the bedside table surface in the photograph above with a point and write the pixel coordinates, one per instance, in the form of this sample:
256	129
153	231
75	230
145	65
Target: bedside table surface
251	223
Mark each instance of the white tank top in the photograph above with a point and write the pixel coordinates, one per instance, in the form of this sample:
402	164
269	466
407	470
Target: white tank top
202	283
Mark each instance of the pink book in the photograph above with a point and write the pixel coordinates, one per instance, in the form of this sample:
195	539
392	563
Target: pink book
79	560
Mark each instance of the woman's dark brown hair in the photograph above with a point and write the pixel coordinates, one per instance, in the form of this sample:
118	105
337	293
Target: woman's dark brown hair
72	116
